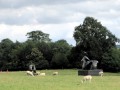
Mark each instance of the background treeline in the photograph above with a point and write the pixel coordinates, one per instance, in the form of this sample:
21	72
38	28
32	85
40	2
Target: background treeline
45	55
92	39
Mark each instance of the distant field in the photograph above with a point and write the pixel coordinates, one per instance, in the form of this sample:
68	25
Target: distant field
66	80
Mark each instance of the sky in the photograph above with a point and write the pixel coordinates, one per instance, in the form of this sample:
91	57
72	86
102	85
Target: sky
58	18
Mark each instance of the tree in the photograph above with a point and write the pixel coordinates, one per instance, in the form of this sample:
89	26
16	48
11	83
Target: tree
36	57
74	57
59	60
6	47
14	63
38	36
24	51
111	60
93	38
61	49
62	46
46	49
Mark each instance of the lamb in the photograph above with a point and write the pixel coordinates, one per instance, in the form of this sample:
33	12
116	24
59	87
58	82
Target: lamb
55	73
29	73
86	78
101	73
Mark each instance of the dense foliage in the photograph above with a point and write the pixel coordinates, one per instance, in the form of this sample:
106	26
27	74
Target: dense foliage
93	40
37	49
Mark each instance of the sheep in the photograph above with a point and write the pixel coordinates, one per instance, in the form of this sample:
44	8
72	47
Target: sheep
87	78
55	73
37	73
42	74
101	73
29	73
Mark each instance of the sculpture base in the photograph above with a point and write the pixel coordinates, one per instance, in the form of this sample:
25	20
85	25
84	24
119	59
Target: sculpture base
94	72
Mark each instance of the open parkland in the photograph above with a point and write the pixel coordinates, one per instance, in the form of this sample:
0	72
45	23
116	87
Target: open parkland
67	79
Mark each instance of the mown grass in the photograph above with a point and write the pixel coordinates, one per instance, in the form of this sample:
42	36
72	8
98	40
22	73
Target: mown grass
66	80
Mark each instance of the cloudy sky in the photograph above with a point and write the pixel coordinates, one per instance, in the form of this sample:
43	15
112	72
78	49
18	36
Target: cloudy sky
55	17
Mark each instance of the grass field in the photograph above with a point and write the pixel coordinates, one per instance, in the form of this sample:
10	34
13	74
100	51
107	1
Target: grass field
66	80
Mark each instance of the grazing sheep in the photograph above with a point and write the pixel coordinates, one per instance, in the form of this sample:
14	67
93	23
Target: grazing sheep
37	73
29	73
42	74
87	78
101	73
55	73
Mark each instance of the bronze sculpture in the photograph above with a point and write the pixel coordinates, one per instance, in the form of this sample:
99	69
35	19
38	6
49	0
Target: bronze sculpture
88	64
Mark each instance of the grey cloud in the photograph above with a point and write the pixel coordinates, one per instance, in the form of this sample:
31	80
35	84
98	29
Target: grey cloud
23	3
55	11
12	17
14	20
19	17
44	15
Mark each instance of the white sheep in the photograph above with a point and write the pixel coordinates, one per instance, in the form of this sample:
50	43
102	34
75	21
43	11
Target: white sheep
37	73
55	73
42	74
29	73
101	73
87	78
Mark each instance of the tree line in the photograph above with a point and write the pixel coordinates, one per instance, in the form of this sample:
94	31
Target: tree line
38	50
91	37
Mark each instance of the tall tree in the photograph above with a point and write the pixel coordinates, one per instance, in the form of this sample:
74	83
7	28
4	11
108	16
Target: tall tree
62	46
24	50
59	60
111	60
38	36
6	47
93	38
36	57
46	49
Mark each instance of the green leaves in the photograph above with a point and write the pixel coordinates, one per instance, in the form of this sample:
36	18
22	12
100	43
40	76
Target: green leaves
38	36
35	56
93	38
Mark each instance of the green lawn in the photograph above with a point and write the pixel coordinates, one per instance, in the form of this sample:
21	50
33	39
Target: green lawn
66	80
